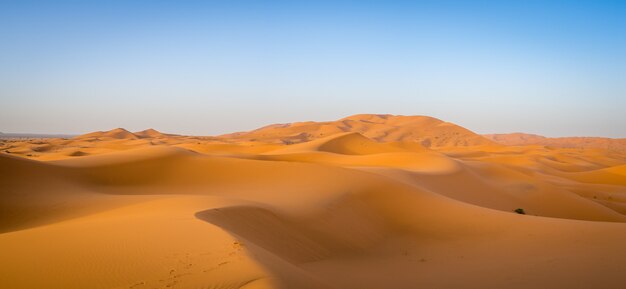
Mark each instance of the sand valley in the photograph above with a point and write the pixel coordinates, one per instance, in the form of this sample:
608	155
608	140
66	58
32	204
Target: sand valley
368	201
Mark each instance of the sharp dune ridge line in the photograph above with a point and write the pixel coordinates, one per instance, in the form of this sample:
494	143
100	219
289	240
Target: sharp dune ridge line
367	201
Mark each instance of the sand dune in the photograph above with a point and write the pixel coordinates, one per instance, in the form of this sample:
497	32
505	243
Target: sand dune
351	143
618	145
118	133
149	133
369	201
425	130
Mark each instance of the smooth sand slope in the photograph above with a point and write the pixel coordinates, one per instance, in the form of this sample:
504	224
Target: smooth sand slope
610	144
369	201
428	131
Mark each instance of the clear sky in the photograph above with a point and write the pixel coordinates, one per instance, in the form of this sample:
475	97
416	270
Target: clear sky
556	68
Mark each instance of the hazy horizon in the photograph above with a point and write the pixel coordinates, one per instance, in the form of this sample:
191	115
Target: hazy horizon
40	134
553	68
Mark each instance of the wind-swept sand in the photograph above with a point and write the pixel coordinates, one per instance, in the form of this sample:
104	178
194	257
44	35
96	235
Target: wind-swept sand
566	142
369	201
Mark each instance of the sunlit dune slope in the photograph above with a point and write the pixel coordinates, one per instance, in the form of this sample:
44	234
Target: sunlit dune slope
118	133
149	133
425	130
369	201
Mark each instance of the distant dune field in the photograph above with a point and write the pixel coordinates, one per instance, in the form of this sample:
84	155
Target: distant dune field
368	201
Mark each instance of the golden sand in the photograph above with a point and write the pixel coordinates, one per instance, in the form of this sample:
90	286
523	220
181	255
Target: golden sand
369	201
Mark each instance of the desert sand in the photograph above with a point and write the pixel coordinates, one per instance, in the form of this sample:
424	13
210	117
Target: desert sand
368	201
610	144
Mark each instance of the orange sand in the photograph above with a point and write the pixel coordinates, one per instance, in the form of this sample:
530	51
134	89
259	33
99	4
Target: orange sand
369	201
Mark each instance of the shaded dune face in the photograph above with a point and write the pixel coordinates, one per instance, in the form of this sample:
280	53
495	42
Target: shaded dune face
361	202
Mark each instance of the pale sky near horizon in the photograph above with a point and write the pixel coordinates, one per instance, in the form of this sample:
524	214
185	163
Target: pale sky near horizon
556	68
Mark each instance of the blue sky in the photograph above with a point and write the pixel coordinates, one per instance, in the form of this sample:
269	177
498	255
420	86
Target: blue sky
556	68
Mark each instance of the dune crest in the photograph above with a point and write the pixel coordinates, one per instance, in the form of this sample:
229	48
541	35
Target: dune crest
350	143
149	133
428	131
118	133
368	201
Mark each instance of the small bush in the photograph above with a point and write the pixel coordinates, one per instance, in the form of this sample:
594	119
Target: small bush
520	211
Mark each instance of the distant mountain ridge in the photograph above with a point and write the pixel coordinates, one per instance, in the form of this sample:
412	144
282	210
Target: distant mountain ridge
611	144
